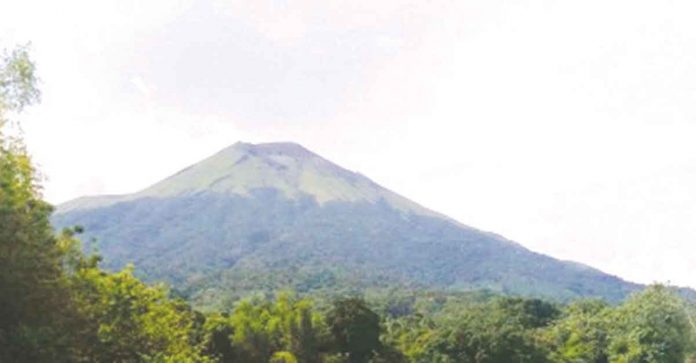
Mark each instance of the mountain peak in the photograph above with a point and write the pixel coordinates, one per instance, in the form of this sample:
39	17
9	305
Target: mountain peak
274	148
285	167
252	210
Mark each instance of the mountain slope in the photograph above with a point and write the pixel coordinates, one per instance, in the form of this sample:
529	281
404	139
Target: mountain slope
255	217
242	168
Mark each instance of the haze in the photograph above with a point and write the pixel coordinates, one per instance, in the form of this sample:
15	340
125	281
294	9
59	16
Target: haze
566	126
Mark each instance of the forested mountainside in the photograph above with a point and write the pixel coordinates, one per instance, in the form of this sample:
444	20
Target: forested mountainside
261	217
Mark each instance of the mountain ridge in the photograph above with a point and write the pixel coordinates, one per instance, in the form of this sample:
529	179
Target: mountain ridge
253	209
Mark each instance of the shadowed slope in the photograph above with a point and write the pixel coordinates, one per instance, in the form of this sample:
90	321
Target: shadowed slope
255	217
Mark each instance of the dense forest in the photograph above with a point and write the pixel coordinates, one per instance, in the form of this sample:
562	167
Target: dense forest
58	305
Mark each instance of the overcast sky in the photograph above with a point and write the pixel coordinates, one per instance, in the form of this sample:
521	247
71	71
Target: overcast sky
568	126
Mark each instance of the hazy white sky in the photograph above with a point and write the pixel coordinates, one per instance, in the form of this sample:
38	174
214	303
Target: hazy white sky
567	126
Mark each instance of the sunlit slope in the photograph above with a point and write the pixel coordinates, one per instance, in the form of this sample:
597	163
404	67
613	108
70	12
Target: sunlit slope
242	168
255	217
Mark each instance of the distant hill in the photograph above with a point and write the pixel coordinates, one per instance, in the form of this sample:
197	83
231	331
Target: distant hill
259	217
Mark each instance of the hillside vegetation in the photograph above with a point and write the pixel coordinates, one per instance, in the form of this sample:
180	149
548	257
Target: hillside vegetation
256	218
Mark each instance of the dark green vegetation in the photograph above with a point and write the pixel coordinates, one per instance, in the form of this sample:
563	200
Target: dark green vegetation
276	216
57	305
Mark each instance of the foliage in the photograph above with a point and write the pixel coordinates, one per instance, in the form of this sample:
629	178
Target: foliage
499	331
33	299
124	320
217	338
355	329
283	357
652	326
581	334
17	81
262	331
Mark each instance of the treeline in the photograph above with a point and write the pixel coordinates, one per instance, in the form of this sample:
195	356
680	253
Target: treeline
88	315
57	305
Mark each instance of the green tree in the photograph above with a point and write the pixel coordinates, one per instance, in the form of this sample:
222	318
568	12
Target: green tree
497	332
283	357
581	334
255	335
259	330
355	329
300	327
124	320
17	82
690	308
33	300
412	335
652	326
218	332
